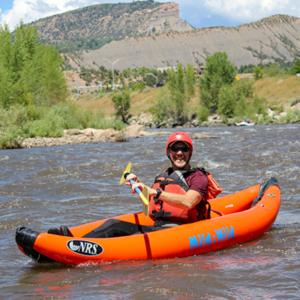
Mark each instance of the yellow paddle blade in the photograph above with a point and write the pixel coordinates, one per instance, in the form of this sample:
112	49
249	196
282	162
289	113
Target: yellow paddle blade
146	210
145	194
127	170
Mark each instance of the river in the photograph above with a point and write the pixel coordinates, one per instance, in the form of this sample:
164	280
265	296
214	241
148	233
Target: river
71	185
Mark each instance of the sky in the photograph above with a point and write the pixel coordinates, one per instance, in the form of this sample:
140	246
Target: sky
198	13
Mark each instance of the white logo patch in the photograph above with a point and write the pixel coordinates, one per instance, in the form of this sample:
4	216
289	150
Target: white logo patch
84	247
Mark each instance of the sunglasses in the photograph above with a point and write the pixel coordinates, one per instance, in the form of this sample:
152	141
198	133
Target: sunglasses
182	149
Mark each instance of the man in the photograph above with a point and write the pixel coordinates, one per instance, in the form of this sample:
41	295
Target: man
179	189
178	196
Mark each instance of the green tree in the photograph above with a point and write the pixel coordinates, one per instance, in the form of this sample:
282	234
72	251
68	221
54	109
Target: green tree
258	73
176	86
241	108
30	72
259	105
121	103
296	67
203	114
218	72
126	73
190	80
272	70
227	101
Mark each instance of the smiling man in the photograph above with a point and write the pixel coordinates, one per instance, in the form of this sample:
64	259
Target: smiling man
178	196
179	193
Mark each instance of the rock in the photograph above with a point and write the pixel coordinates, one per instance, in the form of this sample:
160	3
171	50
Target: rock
108	133
97	133
144	133
195	123
199	135
89	131
270	112
157	133
281	115
73	132
134	130
162	124
214	119
188	125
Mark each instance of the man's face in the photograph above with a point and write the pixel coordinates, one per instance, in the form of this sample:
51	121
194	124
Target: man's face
179	154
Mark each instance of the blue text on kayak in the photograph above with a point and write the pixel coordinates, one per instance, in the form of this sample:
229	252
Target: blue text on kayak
221	234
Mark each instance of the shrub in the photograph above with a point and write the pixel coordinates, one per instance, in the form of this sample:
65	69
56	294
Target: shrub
121	103
293	115
259	105
296	67
244	87
241	108
258	73
273	70
203	114
164	109
227	101
32	121
294	102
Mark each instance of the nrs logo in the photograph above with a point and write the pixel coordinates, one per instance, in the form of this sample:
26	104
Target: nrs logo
84	247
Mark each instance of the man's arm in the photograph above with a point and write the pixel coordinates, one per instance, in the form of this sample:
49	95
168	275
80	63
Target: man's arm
187	201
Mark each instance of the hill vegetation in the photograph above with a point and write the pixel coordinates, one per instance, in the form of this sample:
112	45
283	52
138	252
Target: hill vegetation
247	98
93	26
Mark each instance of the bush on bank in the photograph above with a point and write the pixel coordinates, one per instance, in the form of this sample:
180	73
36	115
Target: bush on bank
33	121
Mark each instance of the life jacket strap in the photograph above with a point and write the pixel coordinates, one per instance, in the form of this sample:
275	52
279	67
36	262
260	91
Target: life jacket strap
161	214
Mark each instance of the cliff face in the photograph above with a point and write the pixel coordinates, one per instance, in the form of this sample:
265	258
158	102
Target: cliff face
280	37
151	34
93	26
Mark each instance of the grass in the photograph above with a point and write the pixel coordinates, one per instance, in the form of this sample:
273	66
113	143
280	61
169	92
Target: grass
20	122
278	90
141	101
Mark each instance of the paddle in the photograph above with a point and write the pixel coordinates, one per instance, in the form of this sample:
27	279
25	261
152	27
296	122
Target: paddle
144	195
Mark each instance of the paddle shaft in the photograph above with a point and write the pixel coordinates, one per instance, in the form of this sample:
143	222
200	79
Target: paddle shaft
143	198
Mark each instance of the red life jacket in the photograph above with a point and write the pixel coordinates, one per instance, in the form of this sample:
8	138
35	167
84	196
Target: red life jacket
175	183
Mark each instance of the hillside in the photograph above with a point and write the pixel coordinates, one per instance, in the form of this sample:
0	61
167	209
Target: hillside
280	36
275	89
93	26
151	34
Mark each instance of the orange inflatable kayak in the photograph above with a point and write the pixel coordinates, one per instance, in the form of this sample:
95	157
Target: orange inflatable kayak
235	219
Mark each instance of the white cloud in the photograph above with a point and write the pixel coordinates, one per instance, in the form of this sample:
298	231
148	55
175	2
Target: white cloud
252	10
31	10
240	11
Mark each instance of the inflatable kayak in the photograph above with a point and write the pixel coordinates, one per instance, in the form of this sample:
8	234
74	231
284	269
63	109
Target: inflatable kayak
235	219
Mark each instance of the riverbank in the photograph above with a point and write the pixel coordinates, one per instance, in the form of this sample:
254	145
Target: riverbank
135	130
138	125
91	135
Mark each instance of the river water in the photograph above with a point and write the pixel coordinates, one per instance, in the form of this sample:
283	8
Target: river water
72	185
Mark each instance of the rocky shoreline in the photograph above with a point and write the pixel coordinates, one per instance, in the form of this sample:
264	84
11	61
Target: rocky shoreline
91	135
138	126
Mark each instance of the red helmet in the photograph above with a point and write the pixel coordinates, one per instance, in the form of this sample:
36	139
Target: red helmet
180	137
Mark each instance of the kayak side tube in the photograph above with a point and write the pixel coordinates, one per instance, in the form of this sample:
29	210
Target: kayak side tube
237	223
